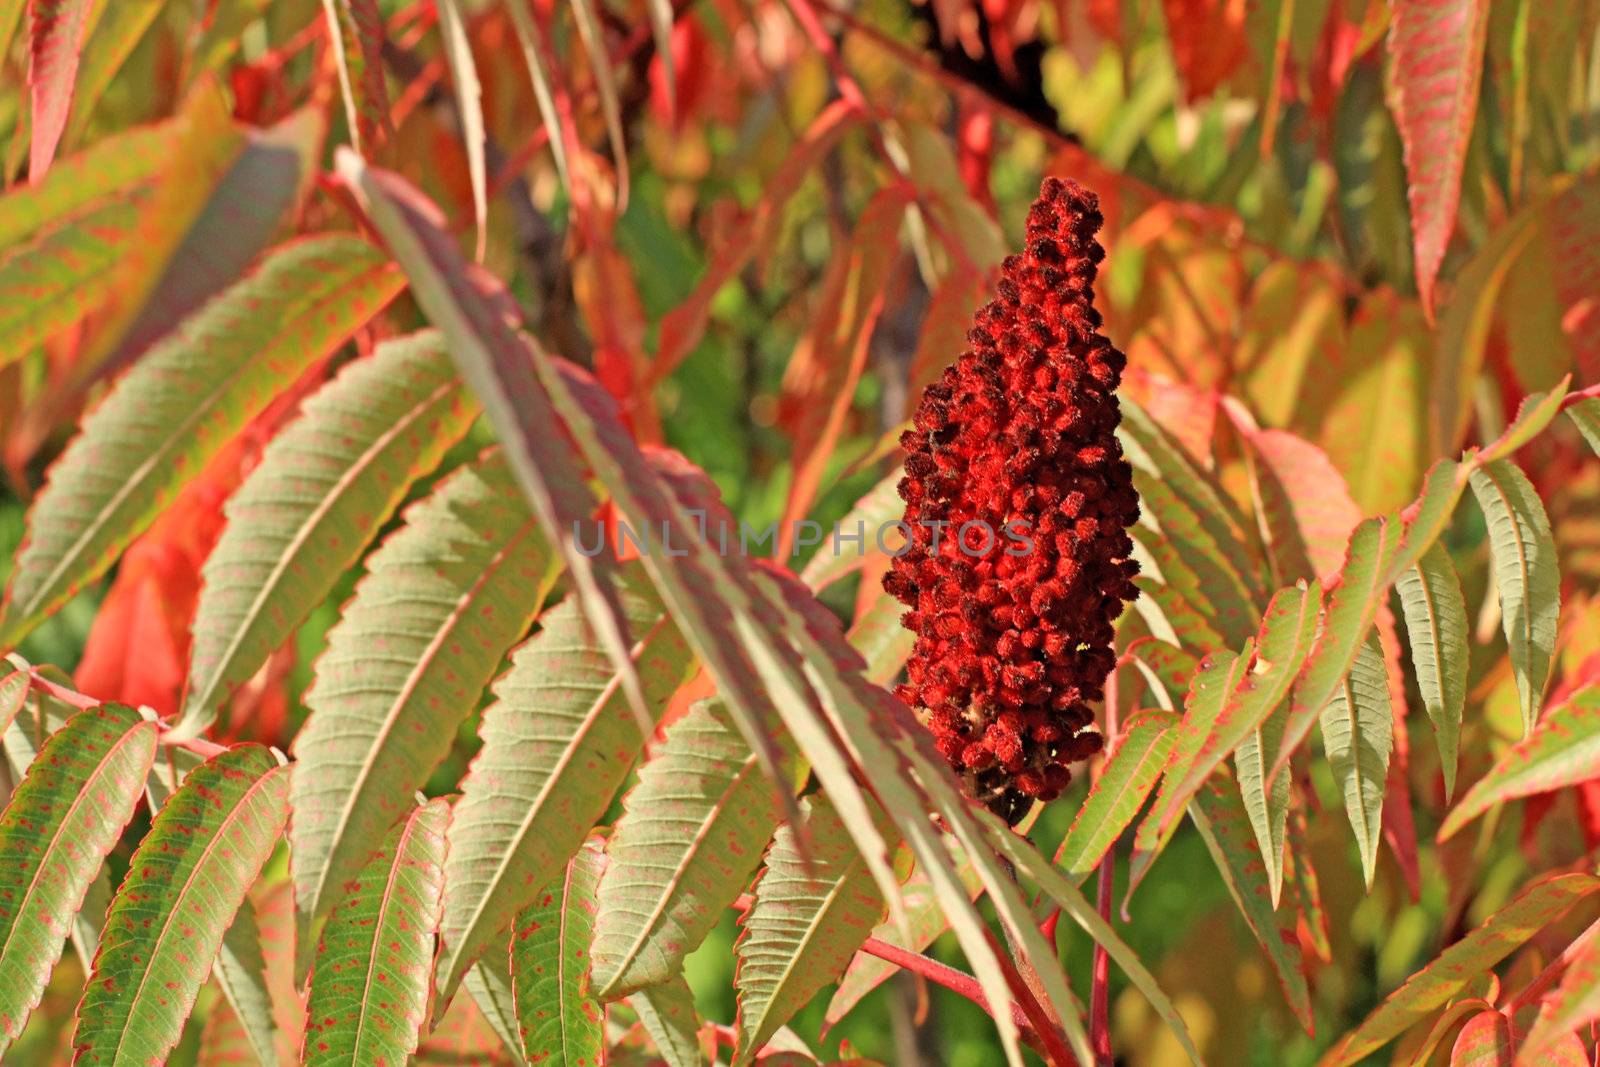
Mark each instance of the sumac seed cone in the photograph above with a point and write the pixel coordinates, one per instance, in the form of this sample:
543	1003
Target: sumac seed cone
1014	630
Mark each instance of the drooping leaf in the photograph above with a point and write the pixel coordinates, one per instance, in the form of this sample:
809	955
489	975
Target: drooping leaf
811	913
557	744
1526	574
1562	750
667	1012
1539	903
323	489
1347	618
1210	734
1133	766
1266	799
56	30
488	984
559	1021
1436	50
442	600
690	836
241	972
1358	734
1436	623
512	379
179	405
62	820
184	884
1574	1003
369	987
1226	827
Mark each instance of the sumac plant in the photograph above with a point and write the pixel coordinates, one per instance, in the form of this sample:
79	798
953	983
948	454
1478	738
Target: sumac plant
799	531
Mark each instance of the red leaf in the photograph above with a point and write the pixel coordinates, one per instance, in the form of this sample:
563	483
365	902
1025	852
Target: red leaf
1208	41
56	31
1436	61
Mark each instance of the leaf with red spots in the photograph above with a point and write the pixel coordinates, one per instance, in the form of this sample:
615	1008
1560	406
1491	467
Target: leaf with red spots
1563	750
368	996
557	745
56	29
1539	903
323	489
55	832
689	838
358	33
184	885
1484	1042
810	915
180	405
667	1013
1436	61
443	599
559	1020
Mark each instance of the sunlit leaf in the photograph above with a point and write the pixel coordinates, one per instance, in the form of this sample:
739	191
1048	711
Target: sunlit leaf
1574	1003
1526	574
1358	734
184	884
557	744
169	415
56	30
442	600
667	1012
469	105
1133	765
560	1023
323	489
369	984
1436	623
1585	415
55	832
1538	904
241	973
690	836
1484	1042
810	914
1562	750
1436	51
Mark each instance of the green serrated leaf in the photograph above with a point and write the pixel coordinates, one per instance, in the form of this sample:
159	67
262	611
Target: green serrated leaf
1266	799
369	989
1133	766
811	913
1563	750
1226	827
667	1012
179	405
442	601
184	885
557	744
323	489
62	820
488	983
1527	575
559	1021
241	973
1585	415
1347	618
690	836
881	505
1535	906
1436	624
1358	735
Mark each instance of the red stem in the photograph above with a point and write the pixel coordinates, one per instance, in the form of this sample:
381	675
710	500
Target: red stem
1099	993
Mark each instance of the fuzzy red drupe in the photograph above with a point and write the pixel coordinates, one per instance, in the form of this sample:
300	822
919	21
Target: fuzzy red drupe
1014	630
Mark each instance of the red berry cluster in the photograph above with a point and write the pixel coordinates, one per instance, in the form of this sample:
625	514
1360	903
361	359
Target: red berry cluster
1013	643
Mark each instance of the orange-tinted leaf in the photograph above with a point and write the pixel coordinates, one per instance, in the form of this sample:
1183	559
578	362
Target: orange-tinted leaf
1436	60
1484	1042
